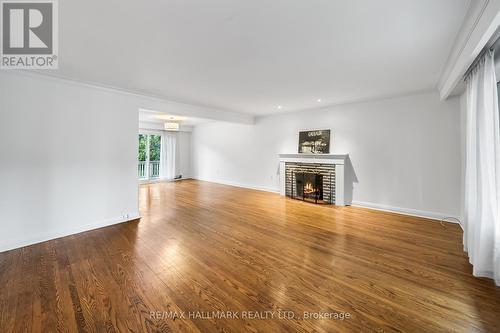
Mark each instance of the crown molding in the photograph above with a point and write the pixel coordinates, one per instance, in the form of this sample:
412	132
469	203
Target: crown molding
146	101
479	26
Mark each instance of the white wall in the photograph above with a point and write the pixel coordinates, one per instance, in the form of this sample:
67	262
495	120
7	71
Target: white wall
68	158
405	151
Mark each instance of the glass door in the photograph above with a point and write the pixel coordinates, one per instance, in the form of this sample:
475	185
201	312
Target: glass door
149	156
154	156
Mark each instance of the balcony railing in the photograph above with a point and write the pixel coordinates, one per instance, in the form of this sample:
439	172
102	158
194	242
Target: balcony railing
142	170
154	170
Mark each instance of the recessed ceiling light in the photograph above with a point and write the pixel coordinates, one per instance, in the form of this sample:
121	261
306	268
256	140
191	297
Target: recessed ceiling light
319	100
280	107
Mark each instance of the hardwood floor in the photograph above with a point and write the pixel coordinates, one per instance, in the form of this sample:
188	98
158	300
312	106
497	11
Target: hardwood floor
202	248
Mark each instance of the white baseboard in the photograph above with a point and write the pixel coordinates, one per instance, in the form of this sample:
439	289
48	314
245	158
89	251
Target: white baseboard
381	207
407	211
46	236
161	180
230	183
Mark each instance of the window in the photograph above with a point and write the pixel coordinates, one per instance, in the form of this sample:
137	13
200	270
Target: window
149	156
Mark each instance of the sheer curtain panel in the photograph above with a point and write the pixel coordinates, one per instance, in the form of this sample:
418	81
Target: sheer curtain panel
482	170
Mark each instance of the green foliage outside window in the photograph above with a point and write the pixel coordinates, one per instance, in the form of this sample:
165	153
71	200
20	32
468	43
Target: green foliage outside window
142	147
154	147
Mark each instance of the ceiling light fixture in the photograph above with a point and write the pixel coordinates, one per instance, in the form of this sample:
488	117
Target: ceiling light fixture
319	100
280	107
169	118
171	126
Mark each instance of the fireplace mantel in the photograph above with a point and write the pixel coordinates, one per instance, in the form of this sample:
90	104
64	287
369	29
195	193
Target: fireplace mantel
315	158
343	178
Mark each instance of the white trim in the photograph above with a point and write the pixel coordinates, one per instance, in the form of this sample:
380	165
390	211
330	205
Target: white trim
369	205
479	26
405	211
162	180
147	131
230	183
314	158
46	236
150	126
460	42
167	105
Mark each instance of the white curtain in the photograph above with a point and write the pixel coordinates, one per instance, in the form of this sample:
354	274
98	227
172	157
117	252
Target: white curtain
168	156
482	171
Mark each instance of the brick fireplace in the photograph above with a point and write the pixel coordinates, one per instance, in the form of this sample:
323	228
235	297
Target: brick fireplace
310	182
314	178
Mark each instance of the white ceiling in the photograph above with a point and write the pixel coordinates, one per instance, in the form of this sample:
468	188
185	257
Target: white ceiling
251	56
149	116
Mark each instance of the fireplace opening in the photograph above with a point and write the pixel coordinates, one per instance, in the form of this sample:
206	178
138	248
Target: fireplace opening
310	182
309	187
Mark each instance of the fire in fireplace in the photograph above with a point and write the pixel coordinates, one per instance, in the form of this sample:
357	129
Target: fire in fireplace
310	182
308	186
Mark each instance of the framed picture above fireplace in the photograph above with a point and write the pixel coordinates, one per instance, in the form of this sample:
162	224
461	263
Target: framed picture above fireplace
314	142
